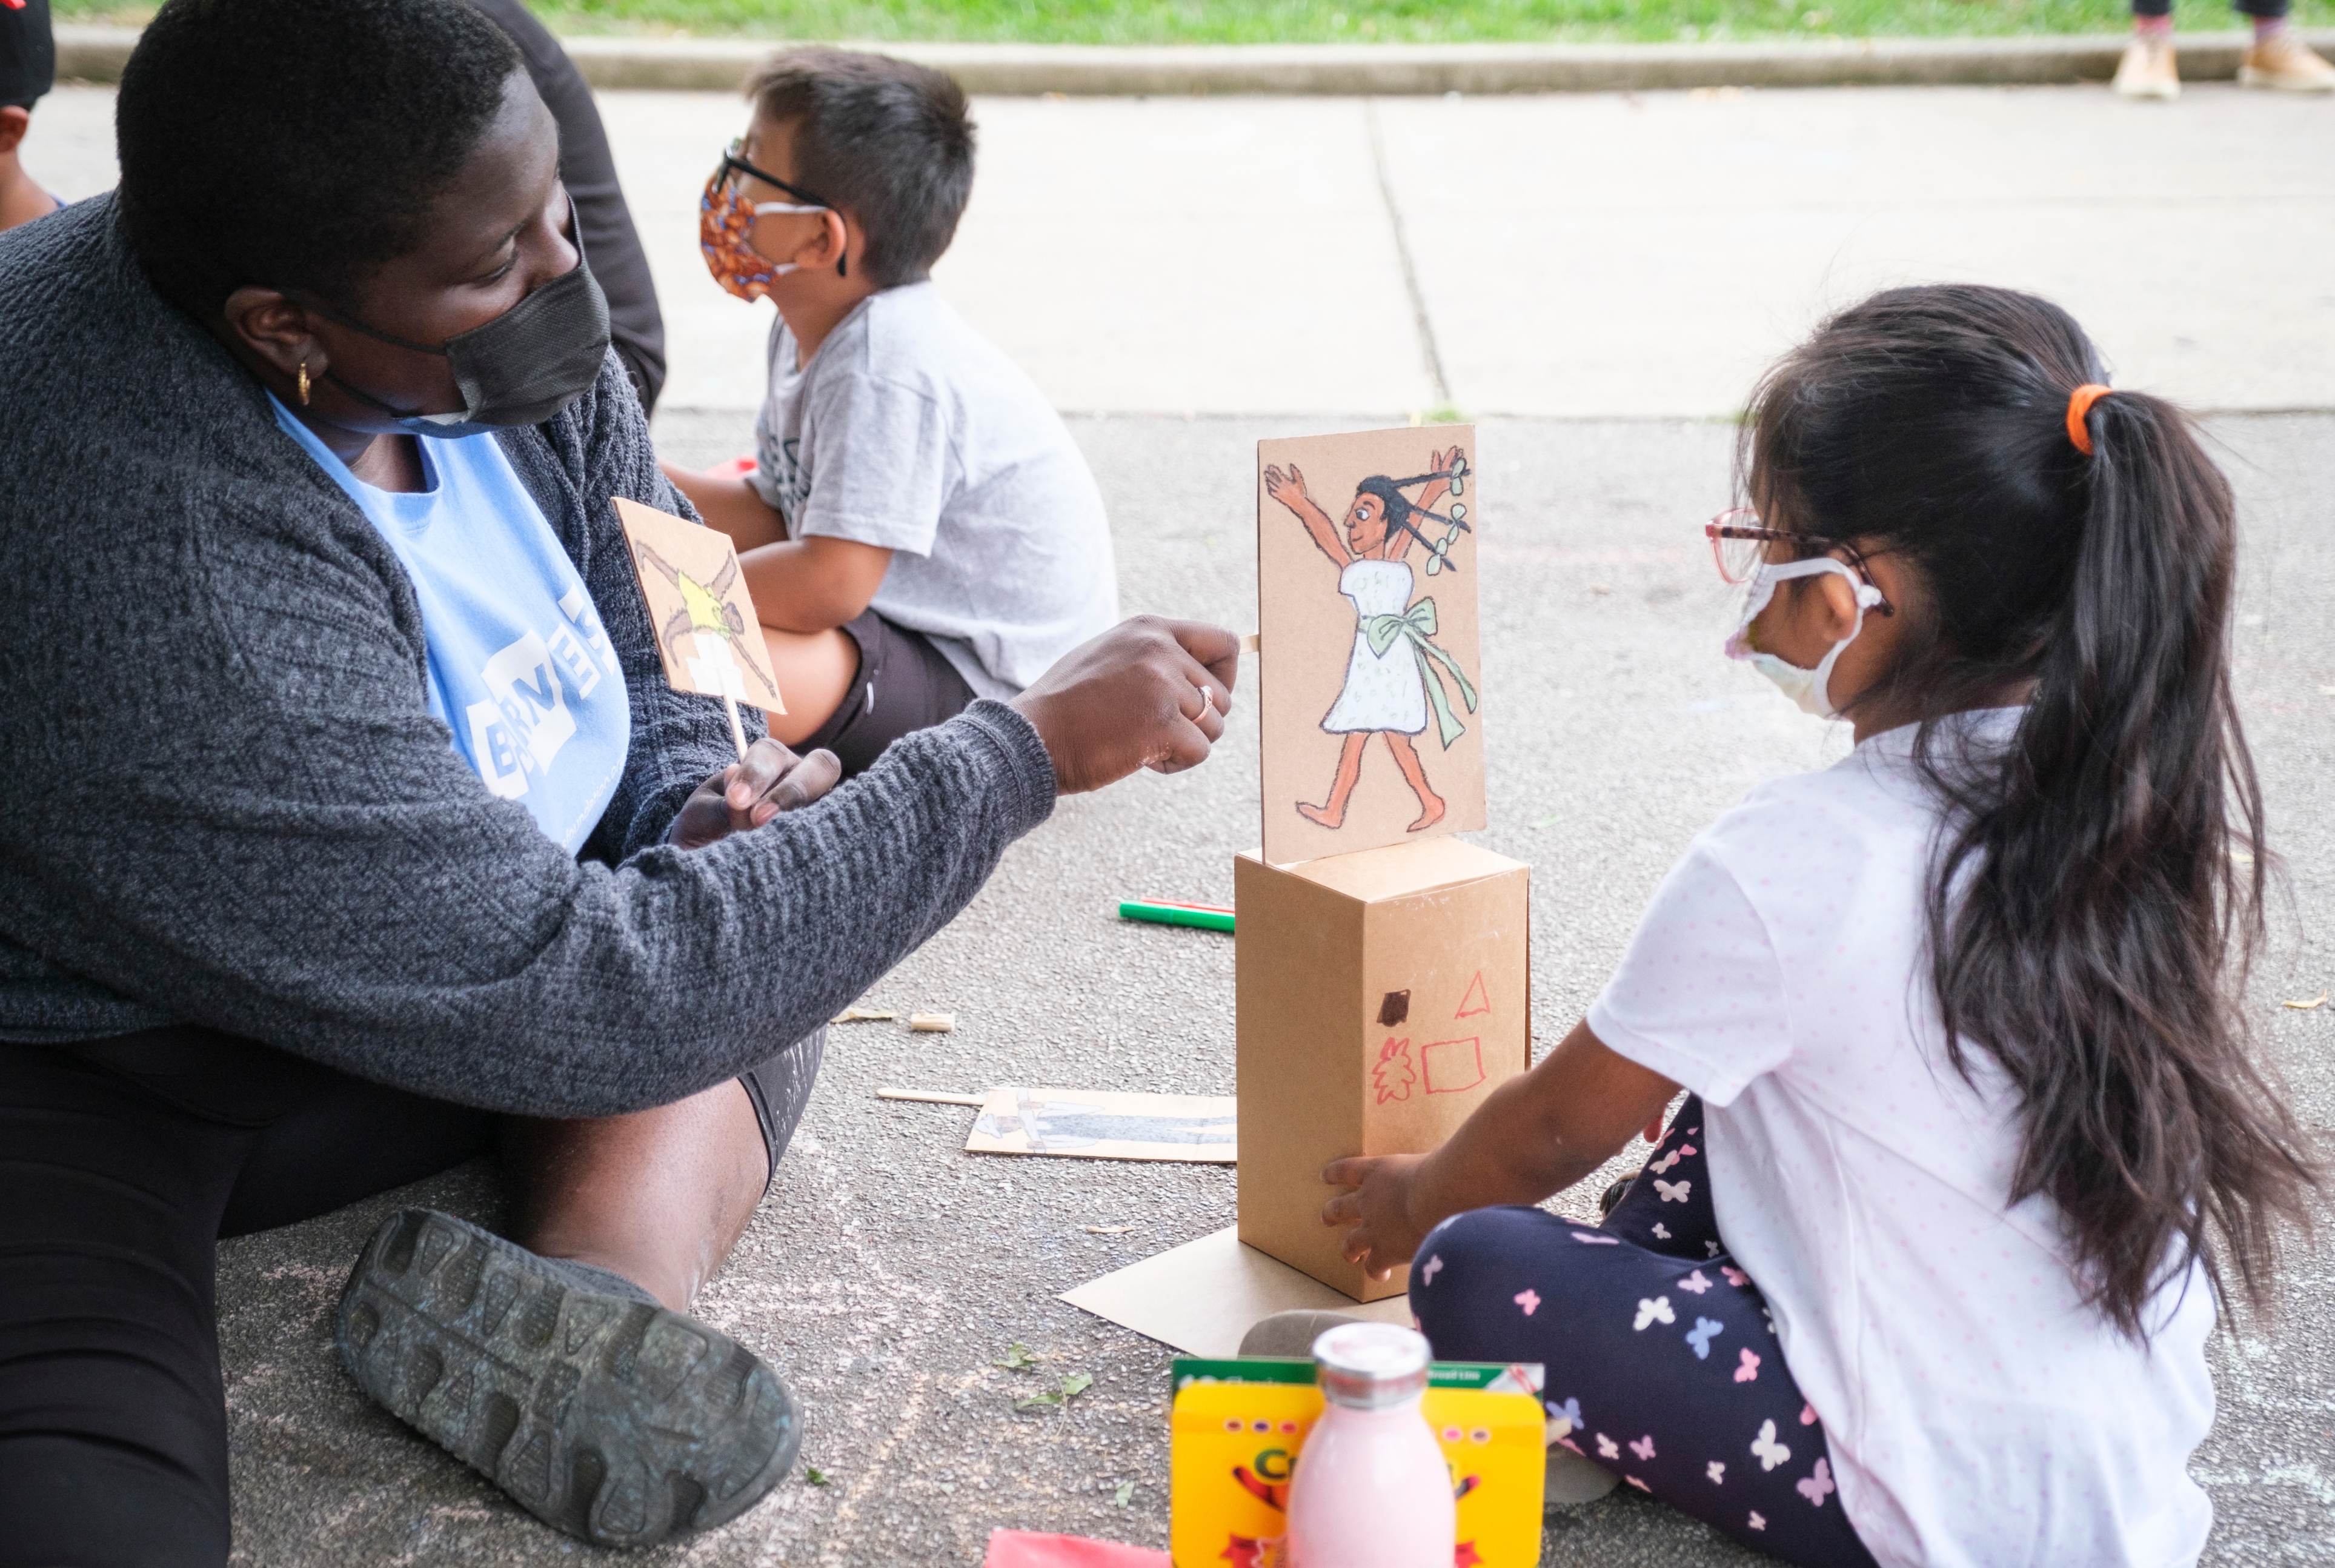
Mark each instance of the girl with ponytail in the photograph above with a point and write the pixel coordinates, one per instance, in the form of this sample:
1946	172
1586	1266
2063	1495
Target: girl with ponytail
1974	1145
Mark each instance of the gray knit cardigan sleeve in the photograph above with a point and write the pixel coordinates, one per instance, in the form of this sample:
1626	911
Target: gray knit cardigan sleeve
224	800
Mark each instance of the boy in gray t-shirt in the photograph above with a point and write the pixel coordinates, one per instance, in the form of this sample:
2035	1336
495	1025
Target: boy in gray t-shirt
918	528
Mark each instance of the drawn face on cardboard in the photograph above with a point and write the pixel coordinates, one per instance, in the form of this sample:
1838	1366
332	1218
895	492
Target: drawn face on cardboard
1366	526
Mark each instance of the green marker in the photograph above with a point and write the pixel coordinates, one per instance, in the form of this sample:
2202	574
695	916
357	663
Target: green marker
1205	917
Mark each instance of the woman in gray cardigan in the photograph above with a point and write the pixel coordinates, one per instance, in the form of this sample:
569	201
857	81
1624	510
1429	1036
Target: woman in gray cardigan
348	825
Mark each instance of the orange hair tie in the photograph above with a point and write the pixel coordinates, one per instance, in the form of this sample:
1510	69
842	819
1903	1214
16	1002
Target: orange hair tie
2080	409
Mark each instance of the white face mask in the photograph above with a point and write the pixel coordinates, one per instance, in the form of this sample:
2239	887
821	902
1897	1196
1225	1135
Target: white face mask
1805	687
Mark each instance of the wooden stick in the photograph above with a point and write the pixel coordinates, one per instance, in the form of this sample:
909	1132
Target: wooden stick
931	1096
737	730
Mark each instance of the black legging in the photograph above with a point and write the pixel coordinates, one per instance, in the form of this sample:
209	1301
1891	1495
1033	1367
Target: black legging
121	1163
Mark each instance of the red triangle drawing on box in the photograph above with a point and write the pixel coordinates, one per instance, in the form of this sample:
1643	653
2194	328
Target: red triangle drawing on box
1475	1001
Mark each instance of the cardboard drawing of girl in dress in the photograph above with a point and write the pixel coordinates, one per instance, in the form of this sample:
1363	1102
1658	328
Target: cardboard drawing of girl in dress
1405	661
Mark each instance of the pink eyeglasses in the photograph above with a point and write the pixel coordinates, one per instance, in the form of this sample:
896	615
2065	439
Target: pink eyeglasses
1738	547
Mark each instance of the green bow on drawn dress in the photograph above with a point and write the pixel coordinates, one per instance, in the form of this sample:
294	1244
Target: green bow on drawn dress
1418	623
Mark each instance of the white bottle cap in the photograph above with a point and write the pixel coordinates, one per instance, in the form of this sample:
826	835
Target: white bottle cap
1372	1365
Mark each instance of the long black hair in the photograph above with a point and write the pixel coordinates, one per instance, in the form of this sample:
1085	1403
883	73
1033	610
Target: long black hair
2096	896
1403	513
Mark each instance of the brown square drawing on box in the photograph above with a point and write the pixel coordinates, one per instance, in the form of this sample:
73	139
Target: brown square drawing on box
1366	627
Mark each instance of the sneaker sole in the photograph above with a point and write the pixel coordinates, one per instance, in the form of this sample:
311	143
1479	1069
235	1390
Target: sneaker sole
2250	77
609	1418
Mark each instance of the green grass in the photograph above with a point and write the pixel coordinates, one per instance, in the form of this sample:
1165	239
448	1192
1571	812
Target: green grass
1336	21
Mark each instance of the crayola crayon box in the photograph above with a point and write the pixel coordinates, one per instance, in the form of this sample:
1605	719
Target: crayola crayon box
1237	1426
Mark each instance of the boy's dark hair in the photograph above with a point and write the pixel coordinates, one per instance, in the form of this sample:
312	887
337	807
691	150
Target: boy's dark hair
296	144
887	140
2090	921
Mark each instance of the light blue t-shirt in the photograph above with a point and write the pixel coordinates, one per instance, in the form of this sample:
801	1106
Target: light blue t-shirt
519	668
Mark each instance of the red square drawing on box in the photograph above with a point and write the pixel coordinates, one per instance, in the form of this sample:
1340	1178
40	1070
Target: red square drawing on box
1452	1065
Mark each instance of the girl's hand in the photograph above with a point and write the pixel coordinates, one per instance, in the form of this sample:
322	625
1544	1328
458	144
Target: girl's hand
1378	1206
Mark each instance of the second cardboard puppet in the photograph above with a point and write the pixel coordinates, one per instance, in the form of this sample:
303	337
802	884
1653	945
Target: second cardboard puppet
706	631
1367	617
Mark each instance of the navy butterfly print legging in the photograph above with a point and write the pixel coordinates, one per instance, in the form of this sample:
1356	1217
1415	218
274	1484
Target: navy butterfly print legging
1659	1350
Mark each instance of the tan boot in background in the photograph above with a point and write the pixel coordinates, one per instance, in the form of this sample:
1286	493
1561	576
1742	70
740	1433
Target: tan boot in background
2286	63
2147	71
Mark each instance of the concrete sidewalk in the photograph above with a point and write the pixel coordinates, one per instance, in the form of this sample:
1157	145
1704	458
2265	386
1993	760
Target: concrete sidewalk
1586	256
1238	267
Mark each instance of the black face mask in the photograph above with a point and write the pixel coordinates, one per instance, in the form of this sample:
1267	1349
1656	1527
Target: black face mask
519	368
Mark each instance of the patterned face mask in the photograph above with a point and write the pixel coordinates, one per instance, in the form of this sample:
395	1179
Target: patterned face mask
725	228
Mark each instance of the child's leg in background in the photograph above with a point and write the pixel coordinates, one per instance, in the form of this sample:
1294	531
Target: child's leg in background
816	677
903	684
1658	1351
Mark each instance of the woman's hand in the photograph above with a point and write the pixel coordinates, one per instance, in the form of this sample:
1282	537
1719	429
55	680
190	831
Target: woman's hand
1146	694
1377	1207
748	794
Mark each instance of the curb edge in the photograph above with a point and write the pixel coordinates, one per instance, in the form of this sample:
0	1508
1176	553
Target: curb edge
96	54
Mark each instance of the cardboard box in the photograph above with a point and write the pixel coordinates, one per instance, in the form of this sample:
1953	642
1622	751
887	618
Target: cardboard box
1238	1428
1381	995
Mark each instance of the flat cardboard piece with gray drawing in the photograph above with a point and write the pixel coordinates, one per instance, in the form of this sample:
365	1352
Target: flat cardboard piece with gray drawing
1102	1124
706	630
1366	562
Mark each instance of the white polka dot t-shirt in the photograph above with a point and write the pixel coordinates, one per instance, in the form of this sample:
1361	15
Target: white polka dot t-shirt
1979	1413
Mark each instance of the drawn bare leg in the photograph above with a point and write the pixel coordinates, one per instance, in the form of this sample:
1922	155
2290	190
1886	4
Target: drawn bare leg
1406	757
1333	811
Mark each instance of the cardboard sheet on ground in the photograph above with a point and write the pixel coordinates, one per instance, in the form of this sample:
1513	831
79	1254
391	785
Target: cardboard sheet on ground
1366	558
706	630
1202	1297
1090	1123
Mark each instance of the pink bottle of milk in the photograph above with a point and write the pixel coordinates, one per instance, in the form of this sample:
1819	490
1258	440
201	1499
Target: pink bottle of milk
1372	1489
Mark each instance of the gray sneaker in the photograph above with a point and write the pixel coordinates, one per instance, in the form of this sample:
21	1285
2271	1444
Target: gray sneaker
1291	1334
597	1410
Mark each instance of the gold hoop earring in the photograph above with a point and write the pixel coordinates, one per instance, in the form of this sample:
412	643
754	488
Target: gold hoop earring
304	383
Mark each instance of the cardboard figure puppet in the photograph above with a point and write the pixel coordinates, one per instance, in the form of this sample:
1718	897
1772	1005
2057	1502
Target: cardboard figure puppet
707	636
1397	673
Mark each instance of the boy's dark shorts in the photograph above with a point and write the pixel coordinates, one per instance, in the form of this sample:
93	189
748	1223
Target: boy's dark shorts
905	683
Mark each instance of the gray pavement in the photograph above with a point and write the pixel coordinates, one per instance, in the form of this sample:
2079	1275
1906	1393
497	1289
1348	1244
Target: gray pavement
1588	256
887	1267
1188	276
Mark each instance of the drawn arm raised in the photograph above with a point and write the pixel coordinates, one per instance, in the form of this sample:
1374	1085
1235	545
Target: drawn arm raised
1402	541
1289	489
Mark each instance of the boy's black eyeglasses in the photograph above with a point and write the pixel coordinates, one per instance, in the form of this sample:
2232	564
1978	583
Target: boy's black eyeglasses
1739	544
733	164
